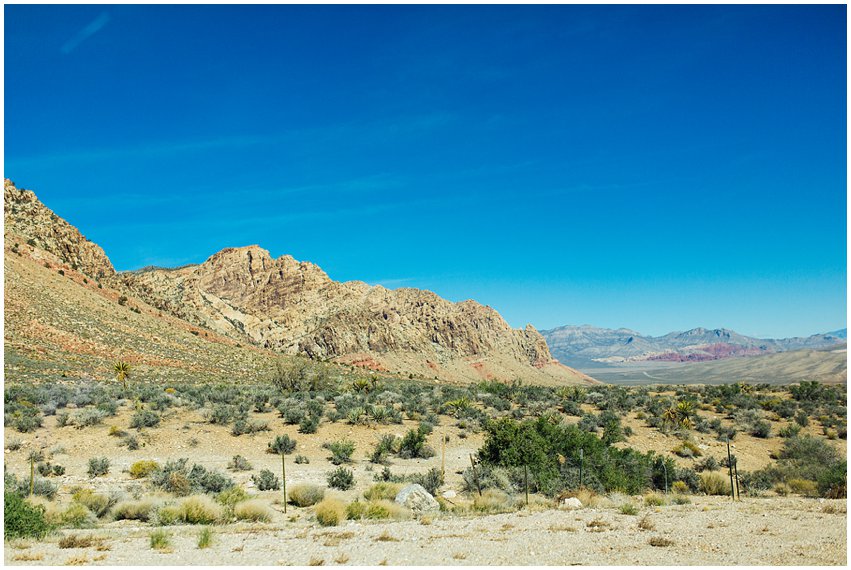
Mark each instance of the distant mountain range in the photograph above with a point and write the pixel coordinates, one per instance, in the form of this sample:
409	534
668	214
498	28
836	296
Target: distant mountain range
585	345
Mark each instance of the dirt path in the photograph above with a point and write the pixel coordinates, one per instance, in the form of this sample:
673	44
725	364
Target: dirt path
710	531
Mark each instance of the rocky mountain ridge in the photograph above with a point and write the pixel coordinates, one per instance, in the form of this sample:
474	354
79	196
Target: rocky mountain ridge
295	308
584	345
32	222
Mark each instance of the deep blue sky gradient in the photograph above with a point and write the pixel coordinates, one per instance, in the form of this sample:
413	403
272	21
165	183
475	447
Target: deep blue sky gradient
657	167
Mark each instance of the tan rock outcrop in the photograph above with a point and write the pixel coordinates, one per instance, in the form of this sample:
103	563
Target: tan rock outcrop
34	223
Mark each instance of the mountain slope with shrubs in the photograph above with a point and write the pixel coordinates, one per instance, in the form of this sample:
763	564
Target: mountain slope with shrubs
64	298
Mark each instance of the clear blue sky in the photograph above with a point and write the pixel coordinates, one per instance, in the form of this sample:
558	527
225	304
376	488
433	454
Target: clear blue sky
657	168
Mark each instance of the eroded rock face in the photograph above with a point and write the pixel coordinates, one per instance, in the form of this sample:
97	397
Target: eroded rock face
295	308
31	221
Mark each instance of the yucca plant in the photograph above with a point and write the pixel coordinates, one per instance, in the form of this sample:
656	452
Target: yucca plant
122	372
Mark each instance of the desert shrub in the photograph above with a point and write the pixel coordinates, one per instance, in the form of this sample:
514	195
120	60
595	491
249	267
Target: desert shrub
309	424
680	487
301	460
175	477
341	451
140	510
382	490
41	487
708	463
21	520
803	487
160	539
98	466
628	509
330	512
714	484
790	431
88	417
141	469
539	444
144	418
305	495
242	426
205	537
431	480
25	419
195	509
341	478
802	418
97	503
687	449
266	481
761	429
239	463
489	477
493	501
77	515
413	444
379	509
232	496
655	499
832	480
282	444
253	510
132	442
386	446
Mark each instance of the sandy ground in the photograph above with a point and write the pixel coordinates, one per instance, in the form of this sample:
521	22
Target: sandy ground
710	531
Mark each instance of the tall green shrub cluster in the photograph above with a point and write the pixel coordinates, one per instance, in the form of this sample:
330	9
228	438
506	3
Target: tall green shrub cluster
553	453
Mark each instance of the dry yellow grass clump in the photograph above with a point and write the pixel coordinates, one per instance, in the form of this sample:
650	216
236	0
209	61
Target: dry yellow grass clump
304	495
330	512
253	510
376	510
197	509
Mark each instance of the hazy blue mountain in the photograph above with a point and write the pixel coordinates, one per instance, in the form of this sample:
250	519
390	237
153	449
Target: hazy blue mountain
586	345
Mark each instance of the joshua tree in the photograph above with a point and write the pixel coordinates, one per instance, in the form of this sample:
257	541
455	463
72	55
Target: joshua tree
122	372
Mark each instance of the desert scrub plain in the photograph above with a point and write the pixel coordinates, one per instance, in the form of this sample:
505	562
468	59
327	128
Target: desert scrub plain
191	473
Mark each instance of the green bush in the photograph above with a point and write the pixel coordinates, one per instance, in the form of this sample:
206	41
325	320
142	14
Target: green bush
266	481
98	466
21	520
239	463
341	451
413	444
386	446
341	478
551	451
144	418
175	477
282	444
